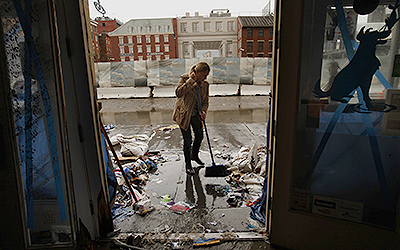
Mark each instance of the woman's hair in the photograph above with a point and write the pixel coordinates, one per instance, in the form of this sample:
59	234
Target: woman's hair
201	67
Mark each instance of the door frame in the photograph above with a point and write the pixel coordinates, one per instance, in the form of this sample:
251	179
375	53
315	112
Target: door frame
288	228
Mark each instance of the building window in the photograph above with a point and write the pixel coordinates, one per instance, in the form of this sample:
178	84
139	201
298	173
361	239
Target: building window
229	47
148	39
249	45
165	38
250	32
139	39
148	48
140	49
260	55
271	31
207	26
230	25
157	39
166	56
260	45
166	48
186	48
157	48
140	58
218	26
184	27
260	32
121	50
121	40
158	58
104	24
249	55
130	49
129	39
122	59
270	46
196	27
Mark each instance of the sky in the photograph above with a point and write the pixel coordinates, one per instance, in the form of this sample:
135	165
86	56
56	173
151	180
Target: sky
124	10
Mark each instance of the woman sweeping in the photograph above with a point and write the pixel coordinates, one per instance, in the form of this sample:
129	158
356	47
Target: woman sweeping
187	113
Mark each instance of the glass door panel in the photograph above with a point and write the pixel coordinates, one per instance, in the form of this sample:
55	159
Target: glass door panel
34	82
347	143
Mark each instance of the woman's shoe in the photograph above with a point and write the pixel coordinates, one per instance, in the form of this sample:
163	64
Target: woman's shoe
197	160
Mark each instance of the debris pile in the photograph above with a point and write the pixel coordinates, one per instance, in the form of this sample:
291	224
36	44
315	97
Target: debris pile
138	164
247	170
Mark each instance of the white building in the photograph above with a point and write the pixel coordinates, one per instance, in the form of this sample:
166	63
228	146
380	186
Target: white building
218	31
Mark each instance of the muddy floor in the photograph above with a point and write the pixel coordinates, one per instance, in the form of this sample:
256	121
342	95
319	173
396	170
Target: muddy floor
233	123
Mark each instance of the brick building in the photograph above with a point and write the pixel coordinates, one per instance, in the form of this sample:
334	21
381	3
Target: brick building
105	25
95	40
145	39
255	36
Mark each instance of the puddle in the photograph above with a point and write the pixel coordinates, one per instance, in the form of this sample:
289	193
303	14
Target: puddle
252	115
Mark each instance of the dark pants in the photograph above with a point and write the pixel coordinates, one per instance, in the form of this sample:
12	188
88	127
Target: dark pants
195	124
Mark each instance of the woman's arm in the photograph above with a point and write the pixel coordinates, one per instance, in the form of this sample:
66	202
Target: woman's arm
184	85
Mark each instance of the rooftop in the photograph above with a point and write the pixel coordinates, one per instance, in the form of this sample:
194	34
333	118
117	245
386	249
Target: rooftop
256	21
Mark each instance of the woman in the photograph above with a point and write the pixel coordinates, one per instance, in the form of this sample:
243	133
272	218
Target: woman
187	112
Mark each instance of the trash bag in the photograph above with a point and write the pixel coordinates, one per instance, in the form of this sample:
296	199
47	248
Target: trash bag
136	145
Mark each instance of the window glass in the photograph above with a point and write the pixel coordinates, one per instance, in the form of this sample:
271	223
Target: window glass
218	26
249	45
195	27
184	27
33	62
207	26
260	45
346	166
230	26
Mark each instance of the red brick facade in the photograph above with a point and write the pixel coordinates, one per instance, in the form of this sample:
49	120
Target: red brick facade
104	26
145	47
255	36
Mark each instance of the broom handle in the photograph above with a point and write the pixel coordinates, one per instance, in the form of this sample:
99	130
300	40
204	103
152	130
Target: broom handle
205	127
117	160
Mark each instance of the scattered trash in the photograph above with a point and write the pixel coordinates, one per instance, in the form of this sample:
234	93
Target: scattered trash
109	127
120	213
134	240
197	242
179	182
175	245
143	207
214	223
118	243
181	207
168	128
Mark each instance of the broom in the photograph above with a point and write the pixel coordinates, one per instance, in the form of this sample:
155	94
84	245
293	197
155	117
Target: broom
213	170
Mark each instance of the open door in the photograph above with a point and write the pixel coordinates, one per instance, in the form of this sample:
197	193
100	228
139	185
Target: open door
334	178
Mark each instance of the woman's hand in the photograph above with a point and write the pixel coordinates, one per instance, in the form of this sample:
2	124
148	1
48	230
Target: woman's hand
203	116
193	75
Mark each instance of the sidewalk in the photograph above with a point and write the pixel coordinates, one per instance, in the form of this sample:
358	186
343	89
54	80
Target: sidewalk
169	91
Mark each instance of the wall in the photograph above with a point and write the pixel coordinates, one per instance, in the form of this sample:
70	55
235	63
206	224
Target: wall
224	70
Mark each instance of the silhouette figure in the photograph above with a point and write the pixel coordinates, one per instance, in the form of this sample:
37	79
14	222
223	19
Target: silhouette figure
360	70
